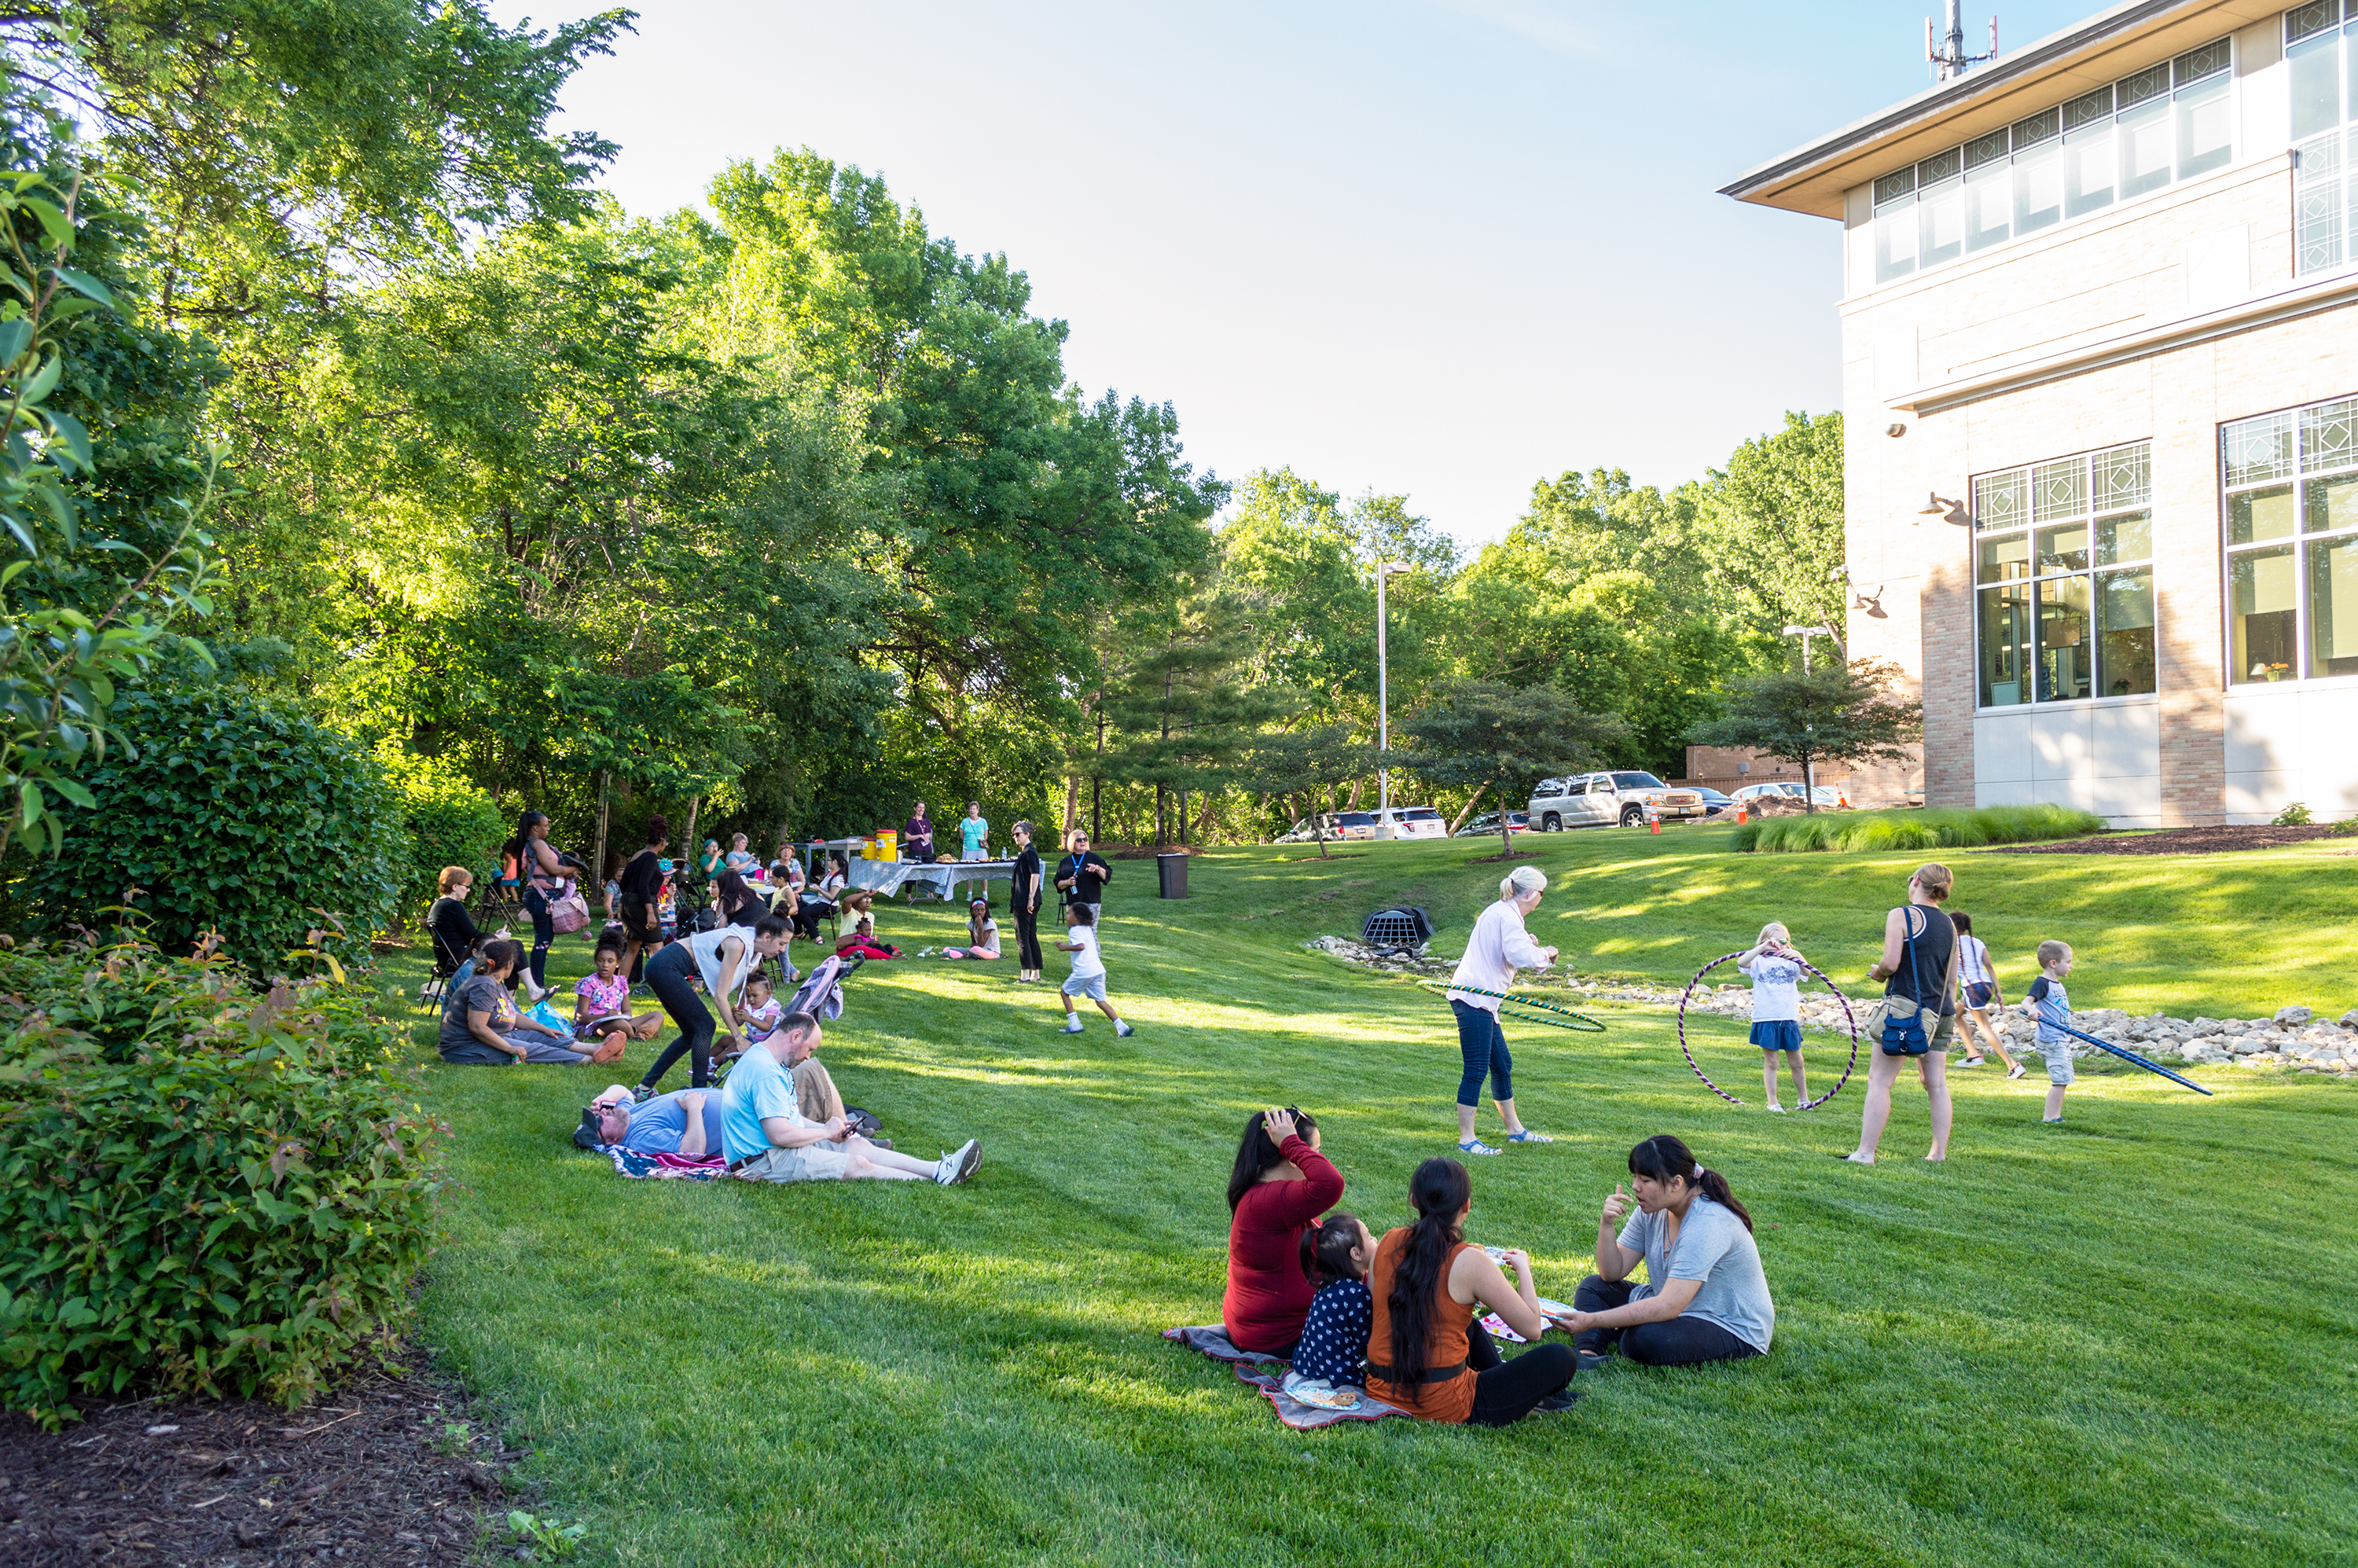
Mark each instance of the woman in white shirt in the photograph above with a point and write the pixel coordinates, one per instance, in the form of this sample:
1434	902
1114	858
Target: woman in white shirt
1499	946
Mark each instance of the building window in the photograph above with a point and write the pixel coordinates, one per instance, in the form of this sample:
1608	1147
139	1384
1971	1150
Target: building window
2063	579
2169	122
2291	483
2321	51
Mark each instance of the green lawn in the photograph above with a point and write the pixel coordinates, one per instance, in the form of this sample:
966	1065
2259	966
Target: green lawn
2128	1341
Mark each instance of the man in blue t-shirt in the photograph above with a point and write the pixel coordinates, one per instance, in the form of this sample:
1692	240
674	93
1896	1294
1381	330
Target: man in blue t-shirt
768	1139
685	1121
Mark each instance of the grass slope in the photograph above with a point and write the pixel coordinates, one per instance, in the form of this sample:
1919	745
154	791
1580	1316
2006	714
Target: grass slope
2122	1342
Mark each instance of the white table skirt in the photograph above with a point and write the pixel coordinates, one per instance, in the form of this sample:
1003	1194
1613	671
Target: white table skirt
885	877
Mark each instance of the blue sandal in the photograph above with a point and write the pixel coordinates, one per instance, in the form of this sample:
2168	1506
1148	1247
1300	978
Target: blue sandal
1528	1136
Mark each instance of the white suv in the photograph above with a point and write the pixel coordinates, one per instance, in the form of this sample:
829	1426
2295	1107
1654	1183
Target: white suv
1413	822
1594	800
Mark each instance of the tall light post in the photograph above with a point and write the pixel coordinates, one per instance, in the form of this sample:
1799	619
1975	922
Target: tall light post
1384	570
1810	764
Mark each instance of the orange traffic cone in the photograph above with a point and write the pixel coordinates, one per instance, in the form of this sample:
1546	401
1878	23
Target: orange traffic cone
1656	818
1739	814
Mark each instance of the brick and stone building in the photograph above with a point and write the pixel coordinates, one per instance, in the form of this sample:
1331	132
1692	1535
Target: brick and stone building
2100	381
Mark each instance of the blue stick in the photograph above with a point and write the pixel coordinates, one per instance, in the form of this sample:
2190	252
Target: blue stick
2129	1056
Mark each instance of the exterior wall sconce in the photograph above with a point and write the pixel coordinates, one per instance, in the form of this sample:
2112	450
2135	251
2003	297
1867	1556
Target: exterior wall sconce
1946	511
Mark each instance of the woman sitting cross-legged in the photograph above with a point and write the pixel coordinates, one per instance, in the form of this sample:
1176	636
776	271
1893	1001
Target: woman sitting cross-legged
484	1025
1425	1352
1279	1185
1708	1300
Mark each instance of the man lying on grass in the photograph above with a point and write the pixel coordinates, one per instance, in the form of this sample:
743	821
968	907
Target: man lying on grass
685	1121
768	1139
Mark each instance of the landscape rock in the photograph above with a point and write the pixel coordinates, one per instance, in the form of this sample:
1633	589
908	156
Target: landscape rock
2294	1015
2350	1018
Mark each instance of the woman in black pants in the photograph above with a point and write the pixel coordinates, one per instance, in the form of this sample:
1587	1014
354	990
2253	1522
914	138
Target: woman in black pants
1708	1300
1426	1354
542	873
1024	904
724	960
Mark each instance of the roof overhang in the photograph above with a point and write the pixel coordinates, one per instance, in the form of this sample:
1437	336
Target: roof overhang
2080	59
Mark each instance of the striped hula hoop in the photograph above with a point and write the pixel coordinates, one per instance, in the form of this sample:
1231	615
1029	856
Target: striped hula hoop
1577	1020
1807	1105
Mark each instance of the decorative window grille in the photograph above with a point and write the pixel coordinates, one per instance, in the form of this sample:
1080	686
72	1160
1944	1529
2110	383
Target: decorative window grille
2063	579
2291	543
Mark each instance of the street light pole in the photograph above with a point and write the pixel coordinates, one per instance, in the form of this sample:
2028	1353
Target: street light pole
1809	763
1384	569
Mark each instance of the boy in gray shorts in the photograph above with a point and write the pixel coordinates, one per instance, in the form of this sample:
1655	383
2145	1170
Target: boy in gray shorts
2048	1002
1087	977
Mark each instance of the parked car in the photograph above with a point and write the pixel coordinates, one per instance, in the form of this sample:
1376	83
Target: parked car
1827	798
1682	805
1717	804
1338	825
1414	822
1487	825
1594	800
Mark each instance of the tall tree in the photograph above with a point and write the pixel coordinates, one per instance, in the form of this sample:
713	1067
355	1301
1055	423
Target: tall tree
1187	717
1776	514
1490	735
1307	761
1844	712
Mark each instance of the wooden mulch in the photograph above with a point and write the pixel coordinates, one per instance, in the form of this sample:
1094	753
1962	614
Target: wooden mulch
370	1475
2177	841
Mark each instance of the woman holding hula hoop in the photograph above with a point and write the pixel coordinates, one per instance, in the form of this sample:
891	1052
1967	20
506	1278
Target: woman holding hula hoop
1919	961
1499	946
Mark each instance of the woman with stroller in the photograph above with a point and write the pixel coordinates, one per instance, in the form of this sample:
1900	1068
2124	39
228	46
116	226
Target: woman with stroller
546	876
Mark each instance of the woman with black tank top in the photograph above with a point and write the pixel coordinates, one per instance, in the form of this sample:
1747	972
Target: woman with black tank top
1919	961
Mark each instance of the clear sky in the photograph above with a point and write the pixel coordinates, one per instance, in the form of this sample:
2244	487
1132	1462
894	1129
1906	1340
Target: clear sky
1439	247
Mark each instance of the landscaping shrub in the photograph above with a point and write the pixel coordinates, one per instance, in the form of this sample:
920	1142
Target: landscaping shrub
450	822
203	1190
1857	831
238	815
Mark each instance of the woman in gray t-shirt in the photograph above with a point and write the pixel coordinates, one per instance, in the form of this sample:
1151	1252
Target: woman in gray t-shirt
1705	1299
482	1025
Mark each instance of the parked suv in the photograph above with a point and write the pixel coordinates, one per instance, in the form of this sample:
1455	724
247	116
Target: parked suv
1594	800
1414	822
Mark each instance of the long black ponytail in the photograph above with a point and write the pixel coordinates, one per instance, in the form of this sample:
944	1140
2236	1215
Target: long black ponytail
516	846
1440	1190
1662	1157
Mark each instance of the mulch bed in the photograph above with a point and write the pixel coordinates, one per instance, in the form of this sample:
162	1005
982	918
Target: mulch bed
1494	859
2177	841
368	1475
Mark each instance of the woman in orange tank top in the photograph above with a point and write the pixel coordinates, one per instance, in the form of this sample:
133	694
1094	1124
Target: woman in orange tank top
1425	1352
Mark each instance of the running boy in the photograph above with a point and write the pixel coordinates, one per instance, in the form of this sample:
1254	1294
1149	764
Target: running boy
1978	978
1088	975
2047	1002
1775	968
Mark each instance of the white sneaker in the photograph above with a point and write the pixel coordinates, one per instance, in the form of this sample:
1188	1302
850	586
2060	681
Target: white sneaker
1775	1107
1072	1026
959	1165
1125	1029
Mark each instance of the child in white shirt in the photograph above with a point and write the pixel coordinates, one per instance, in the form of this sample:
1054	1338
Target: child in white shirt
1775	968
1088	975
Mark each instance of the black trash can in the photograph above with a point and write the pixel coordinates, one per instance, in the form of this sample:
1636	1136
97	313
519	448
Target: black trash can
1172	868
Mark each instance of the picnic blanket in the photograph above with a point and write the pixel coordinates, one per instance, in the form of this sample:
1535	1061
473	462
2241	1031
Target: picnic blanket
649	1167
1255	1370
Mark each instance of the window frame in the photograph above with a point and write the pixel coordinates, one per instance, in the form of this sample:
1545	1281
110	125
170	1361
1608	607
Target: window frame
2039	142
2298	470
2027	520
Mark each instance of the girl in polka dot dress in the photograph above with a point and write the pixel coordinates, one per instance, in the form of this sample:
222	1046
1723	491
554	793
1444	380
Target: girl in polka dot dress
1335	1254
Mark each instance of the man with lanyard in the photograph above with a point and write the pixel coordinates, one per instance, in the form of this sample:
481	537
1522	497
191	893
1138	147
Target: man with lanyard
1082	877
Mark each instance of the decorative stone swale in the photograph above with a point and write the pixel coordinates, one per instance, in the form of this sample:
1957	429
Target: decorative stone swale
2293	1037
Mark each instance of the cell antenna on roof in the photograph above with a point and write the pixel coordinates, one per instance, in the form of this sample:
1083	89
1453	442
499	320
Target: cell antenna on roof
1948	55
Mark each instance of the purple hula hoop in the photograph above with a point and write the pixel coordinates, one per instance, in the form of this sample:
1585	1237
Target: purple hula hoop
1807	1105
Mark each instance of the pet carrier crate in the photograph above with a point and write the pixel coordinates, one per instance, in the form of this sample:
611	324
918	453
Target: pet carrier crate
1397	931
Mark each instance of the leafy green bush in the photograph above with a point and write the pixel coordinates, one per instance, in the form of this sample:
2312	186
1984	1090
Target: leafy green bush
1866	831
202	1190
238	815
2293	816
449	821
